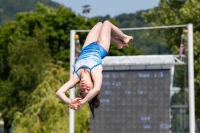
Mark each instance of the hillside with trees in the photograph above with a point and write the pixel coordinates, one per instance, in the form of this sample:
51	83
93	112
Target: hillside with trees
9	8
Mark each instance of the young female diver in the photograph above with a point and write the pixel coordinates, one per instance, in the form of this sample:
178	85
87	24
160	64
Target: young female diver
88	67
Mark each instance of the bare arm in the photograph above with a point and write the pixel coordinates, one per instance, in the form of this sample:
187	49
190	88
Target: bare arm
61	92
96	89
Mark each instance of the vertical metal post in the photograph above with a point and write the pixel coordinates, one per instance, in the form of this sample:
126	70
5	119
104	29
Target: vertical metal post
171	89
72	62
191	78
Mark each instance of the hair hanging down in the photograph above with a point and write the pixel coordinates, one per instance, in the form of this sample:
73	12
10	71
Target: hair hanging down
94	103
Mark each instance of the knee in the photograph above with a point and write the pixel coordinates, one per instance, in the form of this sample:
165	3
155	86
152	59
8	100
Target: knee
106	22
99	23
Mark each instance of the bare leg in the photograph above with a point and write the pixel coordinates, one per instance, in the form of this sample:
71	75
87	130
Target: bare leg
93	34
105	36
119	43
116	32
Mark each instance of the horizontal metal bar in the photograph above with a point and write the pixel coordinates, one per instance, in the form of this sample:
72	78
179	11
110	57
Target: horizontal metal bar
179	106
155	27
143	64
145	28
82	30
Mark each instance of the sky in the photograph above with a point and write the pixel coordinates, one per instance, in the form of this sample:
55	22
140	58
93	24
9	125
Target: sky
109	7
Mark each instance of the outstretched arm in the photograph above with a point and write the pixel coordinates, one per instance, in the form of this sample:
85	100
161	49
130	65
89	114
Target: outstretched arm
61	92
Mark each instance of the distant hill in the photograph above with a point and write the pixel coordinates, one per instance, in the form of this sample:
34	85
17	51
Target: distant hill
132	20
128	20
9	8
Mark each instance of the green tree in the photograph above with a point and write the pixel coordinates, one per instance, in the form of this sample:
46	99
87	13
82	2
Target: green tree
47	113
175	12
27	60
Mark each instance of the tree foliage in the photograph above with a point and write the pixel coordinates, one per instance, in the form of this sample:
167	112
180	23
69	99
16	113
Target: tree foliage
45	112
172	12
26	62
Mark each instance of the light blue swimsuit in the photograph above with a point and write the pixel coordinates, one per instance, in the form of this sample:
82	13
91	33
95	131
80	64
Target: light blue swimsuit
90	57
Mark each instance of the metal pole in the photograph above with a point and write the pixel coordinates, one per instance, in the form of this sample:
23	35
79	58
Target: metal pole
72	61
191	78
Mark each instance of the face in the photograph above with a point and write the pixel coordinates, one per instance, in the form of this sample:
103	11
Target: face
85	87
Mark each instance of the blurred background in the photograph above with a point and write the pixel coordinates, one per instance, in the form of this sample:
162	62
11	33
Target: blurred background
35	53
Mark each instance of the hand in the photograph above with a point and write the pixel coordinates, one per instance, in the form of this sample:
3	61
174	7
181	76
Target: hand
80	104
75	103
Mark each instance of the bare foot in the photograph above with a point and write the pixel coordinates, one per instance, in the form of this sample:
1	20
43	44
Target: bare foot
119	43
127	39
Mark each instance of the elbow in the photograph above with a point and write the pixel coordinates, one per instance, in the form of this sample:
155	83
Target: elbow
97	91
57	93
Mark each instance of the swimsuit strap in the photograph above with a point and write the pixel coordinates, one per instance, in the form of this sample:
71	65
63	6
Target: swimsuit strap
87	68
78	75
